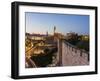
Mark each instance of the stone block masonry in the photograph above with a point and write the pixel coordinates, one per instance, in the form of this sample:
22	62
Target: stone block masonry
70	55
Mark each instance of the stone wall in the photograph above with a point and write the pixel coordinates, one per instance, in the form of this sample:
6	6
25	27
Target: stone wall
71	55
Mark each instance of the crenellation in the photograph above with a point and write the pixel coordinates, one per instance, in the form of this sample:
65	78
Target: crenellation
73	56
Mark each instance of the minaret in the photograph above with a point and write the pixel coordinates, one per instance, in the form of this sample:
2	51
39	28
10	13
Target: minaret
54	29
47	33
54	33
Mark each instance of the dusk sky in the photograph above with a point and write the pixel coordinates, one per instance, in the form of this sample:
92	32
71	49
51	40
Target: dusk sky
43	22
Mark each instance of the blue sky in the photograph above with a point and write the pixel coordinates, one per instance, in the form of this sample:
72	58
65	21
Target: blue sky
43	22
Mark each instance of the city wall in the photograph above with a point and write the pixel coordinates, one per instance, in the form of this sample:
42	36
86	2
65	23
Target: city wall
70	55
